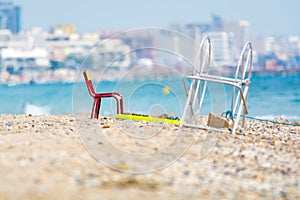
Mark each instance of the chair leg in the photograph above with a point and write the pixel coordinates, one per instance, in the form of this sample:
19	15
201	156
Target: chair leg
122	105
118	105
119	102
96	108
187	104
93	109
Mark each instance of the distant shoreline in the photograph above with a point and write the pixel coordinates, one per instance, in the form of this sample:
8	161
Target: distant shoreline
136	78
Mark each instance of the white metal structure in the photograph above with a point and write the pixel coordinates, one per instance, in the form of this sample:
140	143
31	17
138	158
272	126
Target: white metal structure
200	78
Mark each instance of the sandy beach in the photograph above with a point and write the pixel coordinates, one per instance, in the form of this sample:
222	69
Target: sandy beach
71	157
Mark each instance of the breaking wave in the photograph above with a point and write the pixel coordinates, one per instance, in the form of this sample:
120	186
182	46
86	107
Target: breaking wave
36	109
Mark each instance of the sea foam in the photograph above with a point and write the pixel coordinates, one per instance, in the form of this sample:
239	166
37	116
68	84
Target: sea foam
272	117
36	109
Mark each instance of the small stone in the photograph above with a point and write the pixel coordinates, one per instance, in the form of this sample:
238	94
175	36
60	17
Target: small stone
8	124
138	143
186	172
276	143
22	163
122	167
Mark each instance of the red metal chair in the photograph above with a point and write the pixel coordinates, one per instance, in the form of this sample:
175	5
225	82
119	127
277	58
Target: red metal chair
98	96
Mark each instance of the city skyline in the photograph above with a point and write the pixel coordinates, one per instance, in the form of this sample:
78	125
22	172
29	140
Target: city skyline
10	15
265	17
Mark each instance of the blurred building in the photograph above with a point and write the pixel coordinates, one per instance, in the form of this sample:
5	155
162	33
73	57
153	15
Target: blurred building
221	48
228	38
10	16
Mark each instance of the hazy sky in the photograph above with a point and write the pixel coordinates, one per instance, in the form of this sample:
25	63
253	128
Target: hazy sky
267	17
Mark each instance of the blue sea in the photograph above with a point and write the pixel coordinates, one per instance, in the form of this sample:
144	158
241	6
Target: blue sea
270	96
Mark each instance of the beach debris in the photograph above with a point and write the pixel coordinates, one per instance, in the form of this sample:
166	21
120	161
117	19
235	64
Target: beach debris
106	126
216	121
132	182
122	167
164	118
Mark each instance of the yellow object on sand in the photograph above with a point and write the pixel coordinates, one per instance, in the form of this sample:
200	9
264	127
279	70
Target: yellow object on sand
146	118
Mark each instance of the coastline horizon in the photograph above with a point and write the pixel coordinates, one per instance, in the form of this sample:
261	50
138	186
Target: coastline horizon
270	96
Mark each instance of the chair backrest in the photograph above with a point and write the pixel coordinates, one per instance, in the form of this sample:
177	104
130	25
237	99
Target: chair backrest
88	80
203	55
243	73
245	63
